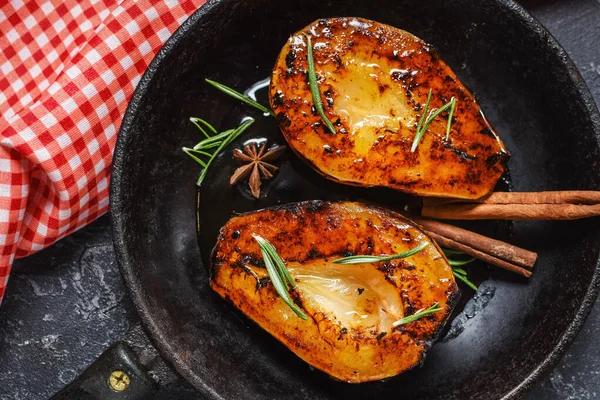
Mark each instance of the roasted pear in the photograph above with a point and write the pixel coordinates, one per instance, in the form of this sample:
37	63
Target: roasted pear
351	332
373	82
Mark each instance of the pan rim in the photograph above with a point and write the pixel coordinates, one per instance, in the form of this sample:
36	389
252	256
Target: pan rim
120	230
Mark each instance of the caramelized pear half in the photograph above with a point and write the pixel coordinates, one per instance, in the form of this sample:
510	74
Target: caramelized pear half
373	81
350	332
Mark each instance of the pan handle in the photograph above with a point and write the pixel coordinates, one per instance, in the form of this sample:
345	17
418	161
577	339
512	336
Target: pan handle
115	375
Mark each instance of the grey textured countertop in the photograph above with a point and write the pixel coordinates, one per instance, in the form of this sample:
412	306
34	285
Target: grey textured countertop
67	304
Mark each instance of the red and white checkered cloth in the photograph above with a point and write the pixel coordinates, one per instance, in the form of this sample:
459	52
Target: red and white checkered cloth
67	71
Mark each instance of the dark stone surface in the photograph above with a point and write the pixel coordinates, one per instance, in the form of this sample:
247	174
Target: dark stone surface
66	304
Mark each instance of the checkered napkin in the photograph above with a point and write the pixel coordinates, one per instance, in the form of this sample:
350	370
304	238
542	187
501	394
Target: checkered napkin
67	70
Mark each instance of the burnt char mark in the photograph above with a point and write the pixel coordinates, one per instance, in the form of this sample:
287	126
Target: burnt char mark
495	158
290	58
262	282
347	253
313	253
432	53
461	154
278	99
253	260
283	119
338	61
449	79
407	184
488	132
400	76
409	309
382	88
386	267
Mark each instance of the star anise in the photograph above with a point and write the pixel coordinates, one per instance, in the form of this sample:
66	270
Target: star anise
257	165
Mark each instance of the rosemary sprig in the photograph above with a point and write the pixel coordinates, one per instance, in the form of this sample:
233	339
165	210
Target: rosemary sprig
411	318
425	120
419	133
366	259
234	135
199	122
220	141
460	273
314	86
241	97
280	276
270	249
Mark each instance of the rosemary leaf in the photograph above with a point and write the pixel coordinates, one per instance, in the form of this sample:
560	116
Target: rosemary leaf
460	273
419	133
367	259
411	318
202	144
199	152
465	280
453	101
314	86
234	135
188	151
283	271
425	120
278	281
434	114
241	97
207	146
199	122
460	263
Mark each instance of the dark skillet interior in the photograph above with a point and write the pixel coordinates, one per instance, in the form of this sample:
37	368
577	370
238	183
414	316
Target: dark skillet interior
531	94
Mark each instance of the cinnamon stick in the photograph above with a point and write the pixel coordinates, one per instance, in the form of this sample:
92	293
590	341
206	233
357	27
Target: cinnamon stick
511	211
452	244
492	251
493	247
549	197
565	205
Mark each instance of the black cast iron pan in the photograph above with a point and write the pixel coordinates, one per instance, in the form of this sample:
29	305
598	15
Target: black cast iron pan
511	333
